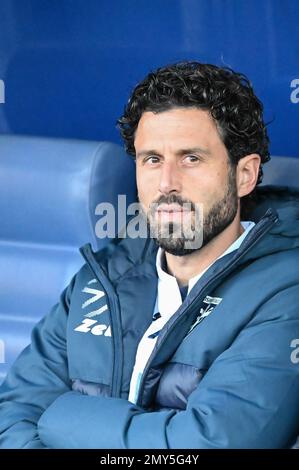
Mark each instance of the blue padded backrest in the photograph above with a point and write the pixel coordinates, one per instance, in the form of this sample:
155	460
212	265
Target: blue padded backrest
49	189
282	171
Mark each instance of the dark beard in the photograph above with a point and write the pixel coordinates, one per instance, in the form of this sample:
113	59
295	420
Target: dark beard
219	217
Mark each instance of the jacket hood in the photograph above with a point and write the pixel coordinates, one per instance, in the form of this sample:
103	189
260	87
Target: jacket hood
283	203
284	199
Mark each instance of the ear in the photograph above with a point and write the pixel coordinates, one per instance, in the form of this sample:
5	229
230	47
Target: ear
247	173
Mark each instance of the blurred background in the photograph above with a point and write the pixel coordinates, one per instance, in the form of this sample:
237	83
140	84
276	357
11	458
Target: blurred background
68	65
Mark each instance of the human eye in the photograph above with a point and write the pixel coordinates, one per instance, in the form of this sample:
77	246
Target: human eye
191	159
151	160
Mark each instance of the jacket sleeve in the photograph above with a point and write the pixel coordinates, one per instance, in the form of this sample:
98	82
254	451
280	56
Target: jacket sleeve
247	399
36	379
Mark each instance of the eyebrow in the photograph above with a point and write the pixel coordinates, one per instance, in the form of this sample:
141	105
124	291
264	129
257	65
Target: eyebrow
180	152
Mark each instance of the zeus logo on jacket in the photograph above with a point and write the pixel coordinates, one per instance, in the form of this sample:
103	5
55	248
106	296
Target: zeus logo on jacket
89	324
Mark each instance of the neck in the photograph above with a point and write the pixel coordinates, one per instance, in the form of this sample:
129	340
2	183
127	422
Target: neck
183	268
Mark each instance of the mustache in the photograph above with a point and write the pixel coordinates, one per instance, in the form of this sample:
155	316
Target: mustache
174	199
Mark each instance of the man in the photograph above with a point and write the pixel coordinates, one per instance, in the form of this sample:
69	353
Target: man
181	345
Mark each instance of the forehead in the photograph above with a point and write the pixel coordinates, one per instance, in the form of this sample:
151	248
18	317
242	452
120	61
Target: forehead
181	125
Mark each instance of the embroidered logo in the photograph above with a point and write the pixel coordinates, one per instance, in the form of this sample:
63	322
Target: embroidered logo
97	330
209	303
96	295
89	325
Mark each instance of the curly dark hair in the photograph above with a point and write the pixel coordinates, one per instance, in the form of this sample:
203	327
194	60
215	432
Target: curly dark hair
227	95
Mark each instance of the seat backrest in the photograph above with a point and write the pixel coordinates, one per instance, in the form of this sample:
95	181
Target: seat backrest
49	189
283	171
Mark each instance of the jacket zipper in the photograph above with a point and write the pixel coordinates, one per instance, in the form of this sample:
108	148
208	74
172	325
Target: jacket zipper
267	224
116	335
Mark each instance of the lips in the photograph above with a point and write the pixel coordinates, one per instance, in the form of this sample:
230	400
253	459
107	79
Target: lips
166	213
171	208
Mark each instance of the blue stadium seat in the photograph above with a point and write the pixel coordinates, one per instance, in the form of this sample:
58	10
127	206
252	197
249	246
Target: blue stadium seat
49	189
282	171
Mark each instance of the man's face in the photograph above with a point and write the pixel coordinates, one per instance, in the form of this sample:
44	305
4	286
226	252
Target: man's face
182	164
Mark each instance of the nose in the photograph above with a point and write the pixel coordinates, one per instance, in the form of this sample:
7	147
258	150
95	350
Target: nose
170	178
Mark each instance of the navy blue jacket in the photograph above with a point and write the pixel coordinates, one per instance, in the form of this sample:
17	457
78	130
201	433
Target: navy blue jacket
230	380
